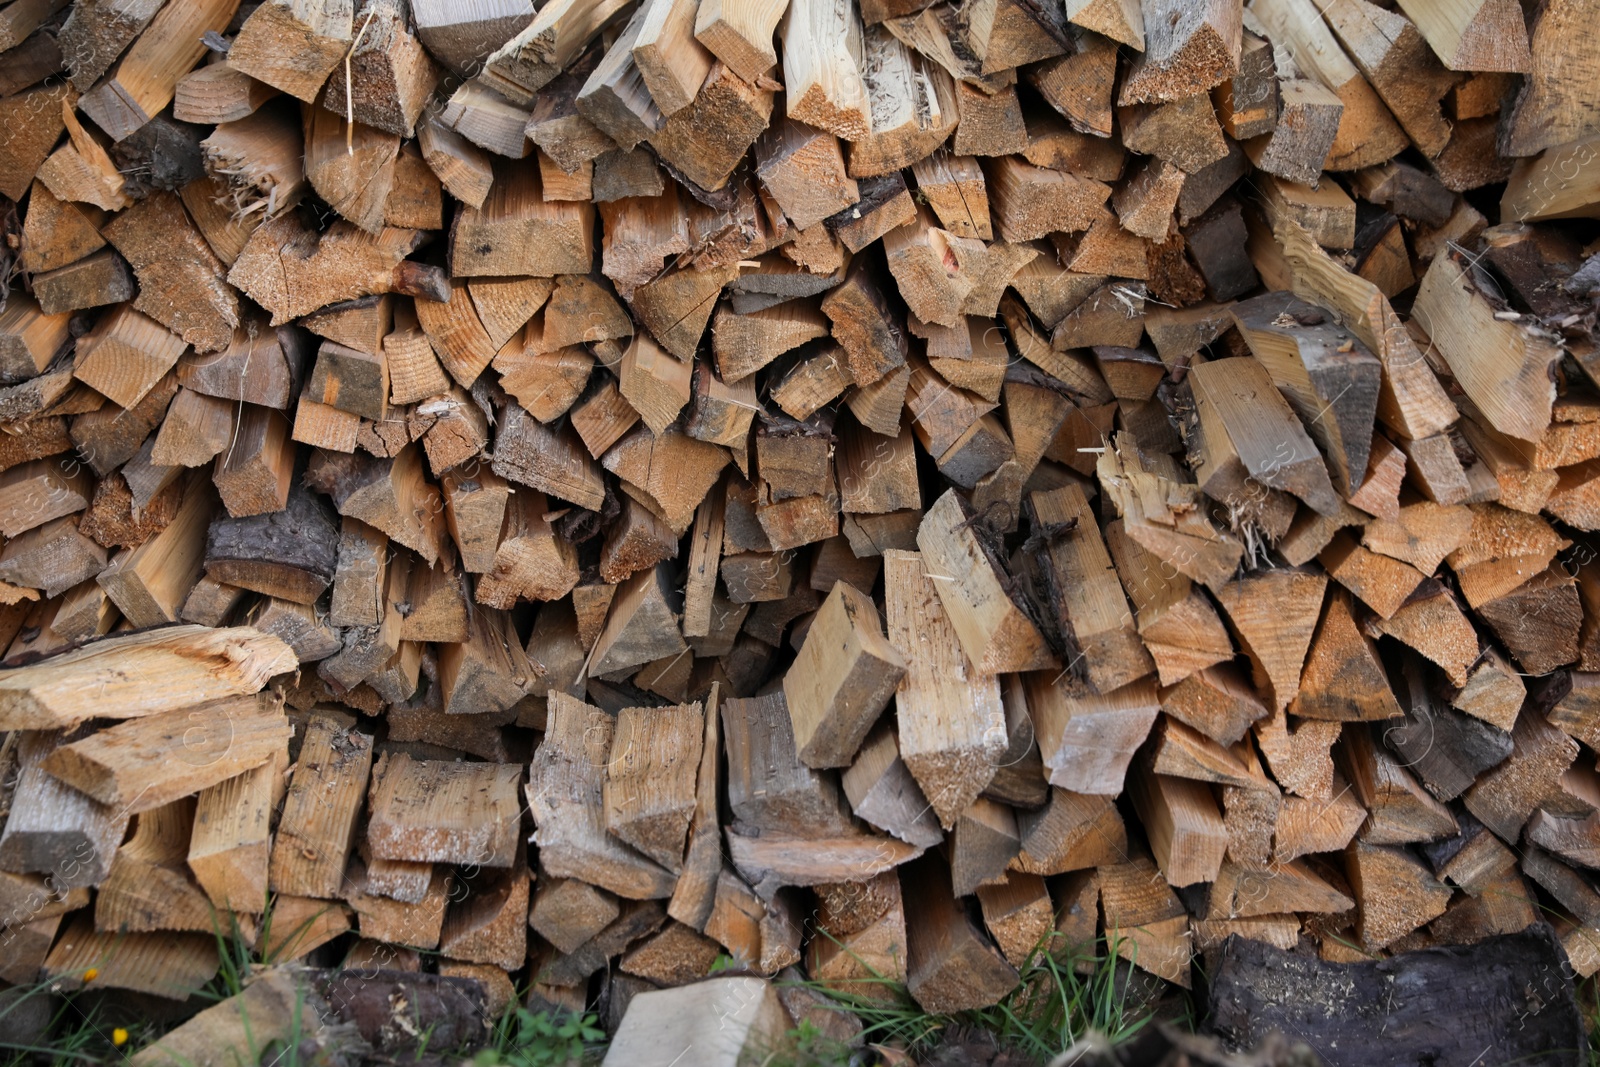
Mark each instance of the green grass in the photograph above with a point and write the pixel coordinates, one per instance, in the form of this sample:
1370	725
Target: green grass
1052	1007
1064	994
77	1033
524	1038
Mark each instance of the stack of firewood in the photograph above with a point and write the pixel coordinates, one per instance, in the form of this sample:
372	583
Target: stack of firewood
589	492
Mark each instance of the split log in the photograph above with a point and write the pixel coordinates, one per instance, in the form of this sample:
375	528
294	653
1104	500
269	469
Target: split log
564	791
952	724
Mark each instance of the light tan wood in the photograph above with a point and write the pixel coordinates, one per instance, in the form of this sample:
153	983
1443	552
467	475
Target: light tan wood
1307	826
1239	412
1185	828
143	81
1478	35
564	791
231	845
148	888
1459	316
1368	133
487	671
841	679
1394	893
318	824
1399	810
698	889
125	355
1144	916
198	428
167	965
154	760
394	497
952	724
531	561
653	382
996	635
740	34
434	811
1086	738
1031	202
746	1010
1161	514
1299	758
39	491
1086	595
882	791
649	791
149	583
294	46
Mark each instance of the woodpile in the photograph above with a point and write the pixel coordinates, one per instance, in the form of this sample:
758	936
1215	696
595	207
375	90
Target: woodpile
582	493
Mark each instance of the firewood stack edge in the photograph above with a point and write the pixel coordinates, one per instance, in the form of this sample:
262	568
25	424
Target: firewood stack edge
573	495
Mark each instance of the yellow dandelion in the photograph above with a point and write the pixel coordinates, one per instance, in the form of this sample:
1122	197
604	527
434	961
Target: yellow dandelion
91	974
119	1037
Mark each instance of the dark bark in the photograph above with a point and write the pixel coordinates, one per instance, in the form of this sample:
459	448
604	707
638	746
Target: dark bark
1506	999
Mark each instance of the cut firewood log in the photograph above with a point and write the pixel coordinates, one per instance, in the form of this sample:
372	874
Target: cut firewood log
1090	606
1399	810
1218	701
1506	795
148	888
1073	831
1459	315
1320	368
707	140
52	558
318	825
1162	514
564	791
1342	678
1087	739
1448	749
1281	425
1432	624
882	791
1186	51
1537	621
1149	923
393	497
1019	778
147	762
1394	893
173	966
433	811
143	81
231	846
1275	639
950	965
1184	826
54	829
1244	892
290	553
833	705
983	842
1367	132
995	632
649	791
1030	202
1238	412
952	723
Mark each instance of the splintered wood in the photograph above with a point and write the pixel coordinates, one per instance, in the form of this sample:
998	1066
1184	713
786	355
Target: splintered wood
596	491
